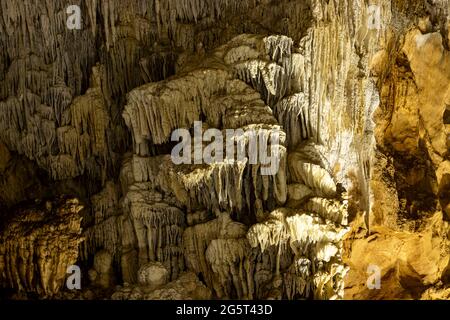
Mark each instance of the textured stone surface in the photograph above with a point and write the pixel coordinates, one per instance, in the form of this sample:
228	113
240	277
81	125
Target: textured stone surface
38	244
186	287
361	110
153	275
410	262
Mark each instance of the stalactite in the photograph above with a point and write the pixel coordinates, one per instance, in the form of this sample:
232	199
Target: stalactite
230	263
152	116
177	106
158	228
193	10
197	238
195	243
84	135
313	231
292	112
38	245
96	109
272	232
106	230
316	244
271	79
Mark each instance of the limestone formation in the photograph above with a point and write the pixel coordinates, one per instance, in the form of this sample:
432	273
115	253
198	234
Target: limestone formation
186	287
153	275
102	274
38	245
225	149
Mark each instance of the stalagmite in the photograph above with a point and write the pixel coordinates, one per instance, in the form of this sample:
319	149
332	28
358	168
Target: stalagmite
224	149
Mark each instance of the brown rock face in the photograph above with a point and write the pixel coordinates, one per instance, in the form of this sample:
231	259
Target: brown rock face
409	262
37	246
226	149
408	239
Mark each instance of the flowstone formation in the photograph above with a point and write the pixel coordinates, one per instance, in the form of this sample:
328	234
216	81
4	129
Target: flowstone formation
38	245
198	216
225	149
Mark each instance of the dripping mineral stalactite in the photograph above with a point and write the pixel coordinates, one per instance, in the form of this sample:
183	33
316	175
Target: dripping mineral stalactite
38	244
225	149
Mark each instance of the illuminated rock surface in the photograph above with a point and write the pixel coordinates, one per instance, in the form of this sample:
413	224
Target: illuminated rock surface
358	106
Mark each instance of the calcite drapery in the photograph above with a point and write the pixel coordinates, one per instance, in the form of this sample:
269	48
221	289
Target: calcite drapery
38	245
313	70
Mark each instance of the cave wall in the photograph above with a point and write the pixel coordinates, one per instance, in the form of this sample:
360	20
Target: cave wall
358	110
